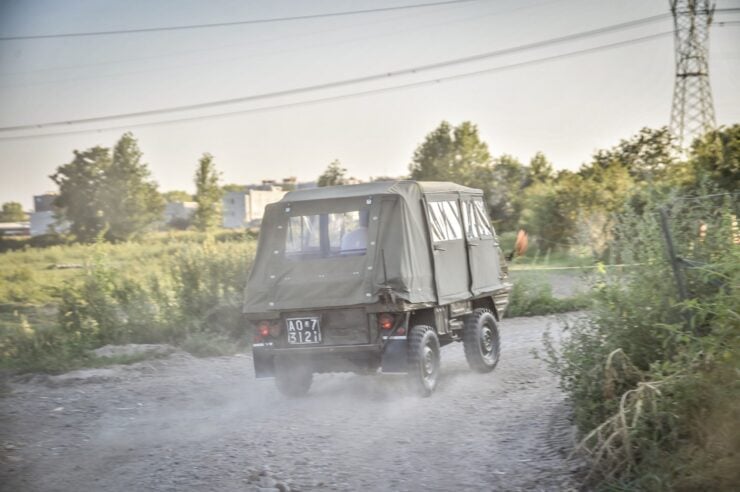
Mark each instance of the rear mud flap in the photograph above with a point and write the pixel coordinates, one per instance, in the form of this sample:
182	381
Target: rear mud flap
264	364
395	356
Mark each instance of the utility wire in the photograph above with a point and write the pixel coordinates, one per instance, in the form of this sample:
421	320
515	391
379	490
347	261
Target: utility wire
433	81
233	23
342	83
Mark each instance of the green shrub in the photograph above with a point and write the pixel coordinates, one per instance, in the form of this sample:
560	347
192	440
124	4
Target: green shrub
532	298
645	372
132	293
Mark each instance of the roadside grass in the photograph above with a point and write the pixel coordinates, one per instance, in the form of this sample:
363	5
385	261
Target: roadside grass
182	288
534	297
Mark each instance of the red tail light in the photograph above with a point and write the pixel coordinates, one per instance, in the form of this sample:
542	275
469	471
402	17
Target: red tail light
263	329
386	321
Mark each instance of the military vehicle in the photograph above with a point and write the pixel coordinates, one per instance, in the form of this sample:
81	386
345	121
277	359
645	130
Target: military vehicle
375	278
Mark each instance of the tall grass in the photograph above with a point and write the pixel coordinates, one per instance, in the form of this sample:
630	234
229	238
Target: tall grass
654	380
159	291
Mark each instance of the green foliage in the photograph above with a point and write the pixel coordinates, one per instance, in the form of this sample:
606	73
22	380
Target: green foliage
208	194
132	202
176	196
454	154
233	187
80	199
173	288
532	298
12	212
648	156
108	197
643	380
334	175
715	158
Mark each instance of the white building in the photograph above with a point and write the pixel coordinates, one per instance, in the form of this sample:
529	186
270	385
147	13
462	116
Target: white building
42	222
246	208
14	229
42	218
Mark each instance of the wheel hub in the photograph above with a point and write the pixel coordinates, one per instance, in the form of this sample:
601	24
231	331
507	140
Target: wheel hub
486	340
428	362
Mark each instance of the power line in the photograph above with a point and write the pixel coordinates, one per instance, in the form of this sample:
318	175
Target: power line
356	94
341	83
233	23
249	55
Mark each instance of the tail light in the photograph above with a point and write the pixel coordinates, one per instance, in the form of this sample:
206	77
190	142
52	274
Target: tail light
267	329
386	321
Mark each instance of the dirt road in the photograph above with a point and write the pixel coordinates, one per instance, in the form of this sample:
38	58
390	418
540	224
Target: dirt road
186	424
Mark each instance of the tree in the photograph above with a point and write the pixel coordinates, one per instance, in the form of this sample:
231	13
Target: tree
716	158
508	178
648	156
453	154
176	196
233	187
334	175
109	197
80	200
12	212
131	202
540	169
208	194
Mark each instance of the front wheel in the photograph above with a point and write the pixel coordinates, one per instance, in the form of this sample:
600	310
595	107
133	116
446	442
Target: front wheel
423	359
292	379
481	340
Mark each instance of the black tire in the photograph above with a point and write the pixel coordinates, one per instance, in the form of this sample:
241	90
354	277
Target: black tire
292	379
424	360
481	340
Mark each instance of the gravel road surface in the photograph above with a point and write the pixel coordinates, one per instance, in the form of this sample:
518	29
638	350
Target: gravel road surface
187	424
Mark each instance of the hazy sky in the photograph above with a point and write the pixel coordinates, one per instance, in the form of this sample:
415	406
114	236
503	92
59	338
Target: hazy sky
567	107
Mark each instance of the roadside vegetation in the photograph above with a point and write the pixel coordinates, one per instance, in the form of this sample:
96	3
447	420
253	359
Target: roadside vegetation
181	288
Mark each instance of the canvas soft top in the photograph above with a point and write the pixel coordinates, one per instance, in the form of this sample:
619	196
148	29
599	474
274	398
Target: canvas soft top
400	187
398	257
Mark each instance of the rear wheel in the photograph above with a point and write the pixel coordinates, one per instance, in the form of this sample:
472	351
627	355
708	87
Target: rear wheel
481	340
292	379
424	360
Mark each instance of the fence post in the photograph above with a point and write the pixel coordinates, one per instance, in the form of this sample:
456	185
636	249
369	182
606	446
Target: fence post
683	293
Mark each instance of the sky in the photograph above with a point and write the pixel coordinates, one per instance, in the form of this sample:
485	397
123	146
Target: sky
567	106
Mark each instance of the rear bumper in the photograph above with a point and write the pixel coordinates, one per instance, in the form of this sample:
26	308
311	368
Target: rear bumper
333	358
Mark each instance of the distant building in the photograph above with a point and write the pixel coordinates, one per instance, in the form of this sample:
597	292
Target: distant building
246	208
42	218
179	214
16	229
42	222
44	203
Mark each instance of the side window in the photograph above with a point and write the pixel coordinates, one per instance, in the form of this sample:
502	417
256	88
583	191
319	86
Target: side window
469	220
444	221
481	218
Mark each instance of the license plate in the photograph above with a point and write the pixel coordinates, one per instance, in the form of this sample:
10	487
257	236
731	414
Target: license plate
303	330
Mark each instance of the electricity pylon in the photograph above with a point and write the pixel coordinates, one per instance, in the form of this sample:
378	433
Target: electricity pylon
692	113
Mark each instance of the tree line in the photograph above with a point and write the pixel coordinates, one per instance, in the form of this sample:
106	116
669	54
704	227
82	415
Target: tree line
109	193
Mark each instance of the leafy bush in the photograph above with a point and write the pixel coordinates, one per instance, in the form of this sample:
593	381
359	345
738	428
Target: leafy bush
192	293
531	298
646	372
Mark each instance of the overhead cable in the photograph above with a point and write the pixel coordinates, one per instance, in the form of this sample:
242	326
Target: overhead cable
346	82
232	23
381	90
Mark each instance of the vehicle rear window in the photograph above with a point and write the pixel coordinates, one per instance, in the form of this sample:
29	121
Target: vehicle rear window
326	235
475	219
444	221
